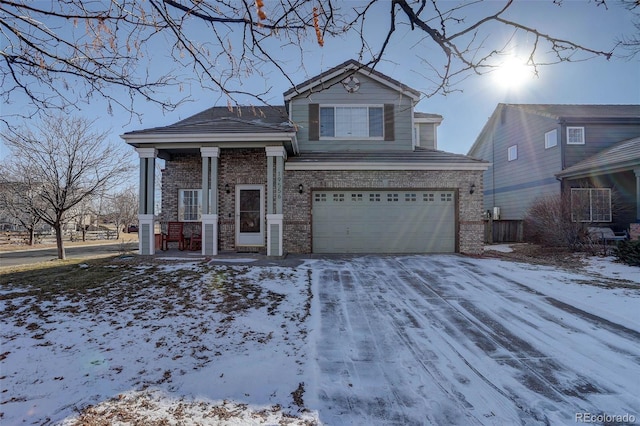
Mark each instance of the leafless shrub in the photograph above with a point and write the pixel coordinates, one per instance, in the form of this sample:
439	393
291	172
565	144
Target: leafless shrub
548	222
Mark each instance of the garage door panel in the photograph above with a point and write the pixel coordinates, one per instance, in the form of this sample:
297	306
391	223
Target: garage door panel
383	221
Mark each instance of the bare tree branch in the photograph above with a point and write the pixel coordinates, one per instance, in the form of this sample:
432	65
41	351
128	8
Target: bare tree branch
59	54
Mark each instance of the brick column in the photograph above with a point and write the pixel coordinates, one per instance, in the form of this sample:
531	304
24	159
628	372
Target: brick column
275	195
146	195
210	157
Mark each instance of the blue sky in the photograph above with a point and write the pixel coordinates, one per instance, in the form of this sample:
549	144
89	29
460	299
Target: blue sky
616	81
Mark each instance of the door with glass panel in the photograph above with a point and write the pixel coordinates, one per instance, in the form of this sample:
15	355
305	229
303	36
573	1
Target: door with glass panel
249	215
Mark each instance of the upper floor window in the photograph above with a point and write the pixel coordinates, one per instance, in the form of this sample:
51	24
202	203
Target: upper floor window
351	122
575	135
551	139
512	153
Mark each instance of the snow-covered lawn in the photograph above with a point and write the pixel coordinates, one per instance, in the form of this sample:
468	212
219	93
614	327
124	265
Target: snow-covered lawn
363	340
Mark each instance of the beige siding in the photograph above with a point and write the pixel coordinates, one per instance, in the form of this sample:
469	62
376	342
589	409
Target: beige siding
370	93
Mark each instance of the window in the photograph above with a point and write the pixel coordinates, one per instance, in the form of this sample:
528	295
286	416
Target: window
410	198
351	122
512	153
591	204
575	135
551	139
189	205
374	198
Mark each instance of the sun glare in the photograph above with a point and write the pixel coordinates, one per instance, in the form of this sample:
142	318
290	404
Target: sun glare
512	74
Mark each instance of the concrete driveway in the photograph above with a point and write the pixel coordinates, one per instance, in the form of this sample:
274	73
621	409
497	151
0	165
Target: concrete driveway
449	340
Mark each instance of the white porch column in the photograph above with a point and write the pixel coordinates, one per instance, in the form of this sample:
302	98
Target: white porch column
275	196
210	157
146	195
637	173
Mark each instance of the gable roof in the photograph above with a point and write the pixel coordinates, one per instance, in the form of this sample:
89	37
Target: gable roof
349	67
565	112
573	111
624	155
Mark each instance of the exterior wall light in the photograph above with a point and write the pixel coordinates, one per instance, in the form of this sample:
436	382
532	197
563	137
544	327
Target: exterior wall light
300	188
226	188
472	188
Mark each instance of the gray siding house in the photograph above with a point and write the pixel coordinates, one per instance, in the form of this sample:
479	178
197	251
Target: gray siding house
346	165
590	151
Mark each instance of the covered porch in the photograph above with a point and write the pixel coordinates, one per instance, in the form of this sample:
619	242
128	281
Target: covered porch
223	175
616	169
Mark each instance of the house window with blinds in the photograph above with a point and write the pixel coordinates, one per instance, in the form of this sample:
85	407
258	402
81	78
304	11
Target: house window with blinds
374	122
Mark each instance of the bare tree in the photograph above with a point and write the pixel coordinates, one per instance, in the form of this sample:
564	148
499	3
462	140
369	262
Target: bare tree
123	208
57	53
65	163
19	202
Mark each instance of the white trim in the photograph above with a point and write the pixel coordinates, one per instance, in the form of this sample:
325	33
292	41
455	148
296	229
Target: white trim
582	142
548	138
341	138
147	152
512	153
210	151
340	165
339	72
210	137
199	205
427	120
276	151
257	241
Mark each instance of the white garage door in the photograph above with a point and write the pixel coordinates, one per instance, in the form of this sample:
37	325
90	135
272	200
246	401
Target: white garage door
383	221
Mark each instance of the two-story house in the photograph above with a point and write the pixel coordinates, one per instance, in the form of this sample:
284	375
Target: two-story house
346	165
591	152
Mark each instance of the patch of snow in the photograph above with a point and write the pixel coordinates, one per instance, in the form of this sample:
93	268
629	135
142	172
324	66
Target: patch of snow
232	260
503	248
608	267
365	340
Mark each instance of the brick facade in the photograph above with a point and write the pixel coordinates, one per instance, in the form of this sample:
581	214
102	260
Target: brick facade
235	167
249	166
297	207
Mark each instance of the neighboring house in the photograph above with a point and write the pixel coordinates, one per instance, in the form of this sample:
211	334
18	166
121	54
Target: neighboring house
591	151
344	166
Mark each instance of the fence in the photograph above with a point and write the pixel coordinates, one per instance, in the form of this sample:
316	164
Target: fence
503	231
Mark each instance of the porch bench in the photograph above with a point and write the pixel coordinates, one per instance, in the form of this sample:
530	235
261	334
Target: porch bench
606	234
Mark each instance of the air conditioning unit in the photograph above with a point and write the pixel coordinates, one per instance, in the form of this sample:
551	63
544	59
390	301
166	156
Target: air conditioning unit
496	213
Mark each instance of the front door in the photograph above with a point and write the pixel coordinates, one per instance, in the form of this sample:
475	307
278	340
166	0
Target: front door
249	215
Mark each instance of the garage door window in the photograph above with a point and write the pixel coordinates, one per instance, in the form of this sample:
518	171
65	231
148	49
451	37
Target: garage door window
428	198
374	198
392	198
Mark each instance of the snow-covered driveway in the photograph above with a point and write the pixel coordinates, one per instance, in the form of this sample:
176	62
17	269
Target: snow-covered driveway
453	340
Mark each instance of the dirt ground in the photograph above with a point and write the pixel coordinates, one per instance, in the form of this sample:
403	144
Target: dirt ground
539	255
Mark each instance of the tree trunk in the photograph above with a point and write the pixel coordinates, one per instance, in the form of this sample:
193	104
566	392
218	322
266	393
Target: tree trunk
61	253
32	236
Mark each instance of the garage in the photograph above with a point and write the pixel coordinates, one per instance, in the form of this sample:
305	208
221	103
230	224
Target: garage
384	221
